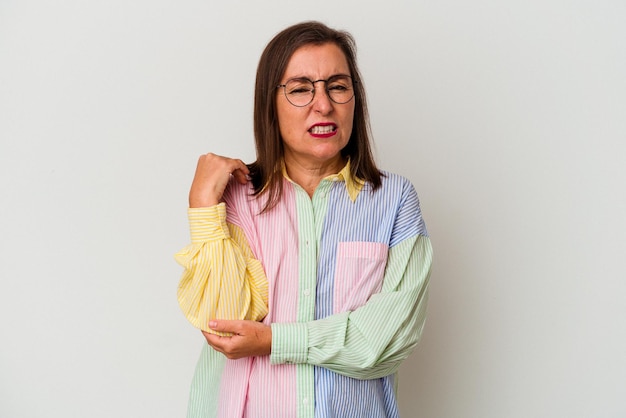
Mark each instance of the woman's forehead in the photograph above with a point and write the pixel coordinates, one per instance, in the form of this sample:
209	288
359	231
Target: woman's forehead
317	61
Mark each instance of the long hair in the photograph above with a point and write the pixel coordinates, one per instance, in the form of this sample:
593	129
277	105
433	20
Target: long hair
266	171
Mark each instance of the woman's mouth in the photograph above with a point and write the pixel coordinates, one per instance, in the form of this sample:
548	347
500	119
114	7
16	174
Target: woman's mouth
323	130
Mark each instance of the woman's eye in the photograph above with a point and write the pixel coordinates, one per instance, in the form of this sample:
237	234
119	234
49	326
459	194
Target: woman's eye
299	87
300	90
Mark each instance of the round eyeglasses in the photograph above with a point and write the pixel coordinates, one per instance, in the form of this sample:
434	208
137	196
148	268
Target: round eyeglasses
301	91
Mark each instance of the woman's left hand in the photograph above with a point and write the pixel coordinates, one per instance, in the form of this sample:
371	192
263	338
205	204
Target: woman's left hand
250	338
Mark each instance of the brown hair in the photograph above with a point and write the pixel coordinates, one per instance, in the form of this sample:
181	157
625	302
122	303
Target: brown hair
266	171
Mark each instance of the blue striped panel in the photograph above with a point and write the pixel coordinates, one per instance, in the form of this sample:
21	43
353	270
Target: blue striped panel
342	396
389	215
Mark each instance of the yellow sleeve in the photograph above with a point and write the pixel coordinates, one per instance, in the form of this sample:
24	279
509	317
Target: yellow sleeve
222	280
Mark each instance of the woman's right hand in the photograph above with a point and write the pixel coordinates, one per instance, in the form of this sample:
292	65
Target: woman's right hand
212	175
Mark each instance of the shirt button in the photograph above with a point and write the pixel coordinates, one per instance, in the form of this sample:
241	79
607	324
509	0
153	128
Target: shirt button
307	243
305	401
306	292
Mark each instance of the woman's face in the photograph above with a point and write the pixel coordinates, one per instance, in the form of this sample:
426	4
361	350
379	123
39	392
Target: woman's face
314	135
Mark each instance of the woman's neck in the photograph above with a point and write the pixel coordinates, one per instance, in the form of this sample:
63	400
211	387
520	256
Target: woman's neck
308	175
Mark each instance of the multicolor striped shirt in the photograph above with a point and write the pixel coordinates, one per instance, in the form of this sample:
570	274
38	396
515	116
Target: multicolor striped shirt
347	276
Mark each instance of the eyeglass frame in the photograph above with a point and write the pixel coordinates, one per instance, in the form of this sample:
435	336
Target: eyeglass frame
284	86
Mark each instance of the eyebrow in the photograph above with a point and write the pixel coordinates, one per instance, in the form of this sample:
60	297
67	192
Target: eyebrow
310	79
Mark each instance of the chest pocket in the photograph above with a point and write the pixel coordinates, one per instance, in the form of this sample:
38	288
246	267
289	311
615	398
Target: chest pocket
359	273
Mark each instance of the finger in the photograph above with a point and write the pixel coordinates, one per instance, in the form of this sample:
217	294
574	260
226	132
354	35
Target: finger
214	341
223	345
240	176
240	171
242	166
225	325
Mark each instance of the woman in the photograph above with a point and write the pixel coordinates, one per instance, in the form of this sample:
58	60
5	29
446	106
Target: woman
328	251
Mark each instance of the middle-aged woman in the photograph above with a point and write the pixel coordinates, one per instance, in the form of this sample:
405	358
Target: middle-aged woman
308	269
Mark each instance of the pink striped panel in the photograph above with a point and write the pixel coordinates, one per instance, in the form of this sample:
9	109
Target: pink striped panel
279	254
272	390
359	273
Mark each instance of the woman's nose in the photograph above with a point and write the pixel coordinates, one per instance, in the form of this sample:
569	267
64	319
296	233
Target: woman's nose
321	101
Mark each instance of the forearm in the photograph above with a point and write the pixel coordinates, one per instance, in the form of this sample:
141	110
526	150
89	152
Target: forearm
372	340
221	280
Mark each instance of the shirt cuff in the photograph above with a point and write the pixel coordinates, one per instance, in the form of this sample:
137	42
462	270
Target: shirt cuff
208	224
289	343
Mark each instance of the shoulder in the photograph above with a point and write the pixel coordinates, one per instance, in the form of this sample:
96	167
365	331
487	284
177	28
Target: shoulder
237	194
393	178
395	193
395	185
409	214
399	189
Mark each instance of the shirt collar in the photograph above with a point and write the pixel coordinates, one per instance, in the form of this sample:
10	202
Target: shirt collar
354	185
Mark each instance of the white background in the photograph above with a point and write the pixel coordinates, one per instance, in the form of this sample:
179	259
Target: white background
509	118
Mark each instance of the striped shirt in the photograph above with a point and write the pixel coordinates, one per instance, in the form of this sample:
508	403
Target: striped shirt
345	281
